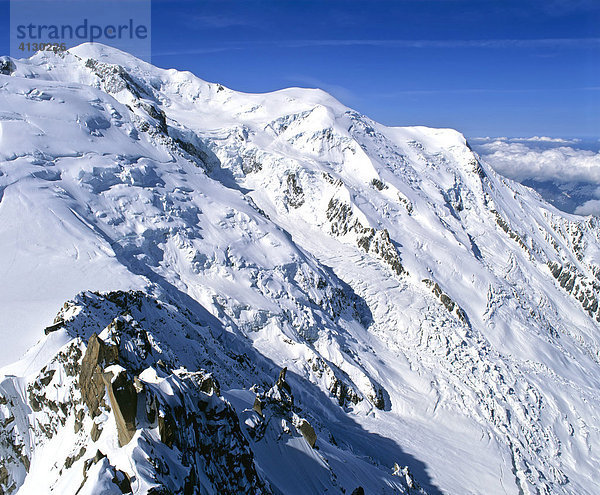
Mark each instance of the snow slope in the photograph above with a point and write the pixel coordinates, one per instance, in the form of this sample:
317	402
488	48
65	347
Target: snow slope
430	312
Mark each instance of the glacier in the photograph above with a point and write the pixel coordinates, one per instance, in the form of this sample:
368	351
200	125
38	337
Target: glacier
439	323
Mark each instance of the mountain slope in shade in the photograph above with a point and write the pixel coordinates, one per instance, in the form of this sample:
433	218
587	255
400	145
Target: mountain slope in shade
438	322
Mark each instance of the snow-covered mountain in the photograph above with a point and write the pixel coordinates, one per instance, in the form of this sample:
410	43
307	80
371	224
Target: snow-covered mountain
275	294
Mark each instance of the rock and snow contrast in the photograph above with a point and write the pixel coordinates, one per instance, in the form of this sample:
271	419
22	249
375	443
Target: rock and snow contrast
219	292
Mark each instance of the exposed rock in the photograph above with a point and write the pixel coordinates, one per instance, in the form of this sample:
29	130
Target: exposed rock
159	490
258	405
210	385
7	66
54	327
294	193
206	430
586	290
122	480
358	491
250	165
185	407
78	424
91	383
138	385
281	383
370	240
448	303
503	224
123	400
339	385
96	432
281	393
308	432
3	475
167	428
378	184
99	455
377	398
69	461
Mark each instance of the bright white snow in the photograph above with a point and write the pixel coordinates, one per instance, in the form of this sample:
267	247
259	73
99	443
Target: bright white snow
260	209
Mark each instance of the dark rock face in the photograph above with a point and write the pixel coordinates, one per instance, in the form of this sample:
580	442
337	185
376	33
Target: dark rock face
206	431
294	193
586	290
281	383
3	476
167	429
378	184
94	384
97	356
278	402
372	241
280	395
96	432
72	459
123	399
258	405
448	303
308	432
122	480
7	66
359	491
53	328
339	386
210	385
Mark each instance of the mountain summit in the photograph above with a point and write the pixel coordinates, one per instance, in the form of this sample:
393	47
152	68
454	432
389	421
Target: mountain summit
271	293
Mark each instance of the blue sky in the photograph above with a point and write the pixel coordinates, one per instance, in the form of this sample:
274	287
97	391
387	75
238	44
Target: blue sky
485	67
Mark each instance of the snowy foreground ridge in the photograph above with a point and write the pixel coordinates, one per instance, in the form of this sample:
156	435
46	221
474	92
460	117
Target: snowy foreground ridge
227	293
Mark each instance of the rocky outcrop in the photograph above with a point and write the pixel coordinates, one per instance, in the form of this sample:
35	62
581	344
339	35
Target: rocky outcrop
205	430
119	478
280	395
338	385
91	382
258	406
445	299
7	66
123	401
54	327
372	241
276	407
404	472
586	290
308	432
294	191
503	224
378	184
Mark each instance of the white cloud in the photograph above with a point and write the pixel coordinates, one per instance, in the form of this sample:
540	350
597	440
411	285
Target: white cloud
532	139
546	139
591	207
523	159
